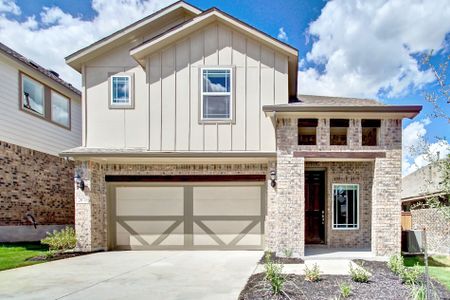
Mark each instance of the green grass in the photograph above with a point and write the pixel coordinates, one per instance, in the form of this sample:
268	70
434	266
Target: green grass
439	267
14	255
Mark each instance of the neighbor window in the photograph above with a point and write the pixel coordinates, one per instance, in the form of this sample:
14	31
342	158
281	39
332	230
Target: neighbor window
307	131
370	132
345	206
60	109
338	131
44	102
121	91
33	97
216	94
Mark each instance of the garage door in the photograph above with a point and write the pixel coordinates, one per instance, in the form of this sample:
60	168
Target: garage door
188	216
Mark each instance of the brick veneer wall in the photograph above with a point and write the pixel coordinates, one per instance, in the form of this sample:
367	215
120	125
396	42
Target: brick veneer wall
37	183
360	173
437	226
91	204
384	195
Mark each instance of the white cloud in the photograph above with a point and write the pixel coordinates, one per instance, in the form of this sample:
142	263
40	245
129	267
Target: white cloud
282	35
54	33
367	48
416	153
9	6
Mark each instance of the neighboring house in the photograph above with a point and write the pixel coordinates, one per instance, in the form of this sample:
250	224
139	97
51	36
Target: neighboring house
194	138
40	117
418	189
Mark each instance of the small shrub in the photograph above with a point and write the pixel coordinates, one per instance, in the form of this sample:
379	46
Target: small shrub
274	275
359	274
419	292
411	275
396	264
346	289
288	252
61	240
49	254
312	274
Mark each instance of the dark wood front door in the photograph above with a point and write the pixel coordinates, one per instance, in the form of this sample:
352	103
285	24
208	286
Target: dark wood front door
315	207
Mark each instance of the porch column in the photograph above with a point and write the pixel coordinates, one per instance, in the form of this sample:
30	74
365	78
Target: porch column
90	209
289	204
386	205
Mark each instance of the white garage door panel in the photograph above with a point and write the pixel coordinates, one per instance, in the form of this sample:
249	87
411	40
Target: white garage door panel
227	201
203	216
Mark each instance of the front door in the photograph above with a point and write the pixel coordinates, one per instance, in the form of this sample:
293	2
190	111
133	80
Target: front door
315	207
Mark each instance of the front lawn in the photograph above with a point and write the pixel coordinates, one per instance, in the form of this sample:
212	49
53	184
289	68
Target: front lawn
439	267
14	255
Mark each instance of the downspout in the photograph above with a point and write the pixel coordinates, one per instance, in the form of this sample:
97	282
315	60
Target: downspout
84	106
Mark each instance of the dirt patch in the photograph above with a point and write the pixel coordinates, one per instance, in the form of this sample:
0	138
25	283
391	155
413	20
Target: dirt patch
382	285
57	256
281	260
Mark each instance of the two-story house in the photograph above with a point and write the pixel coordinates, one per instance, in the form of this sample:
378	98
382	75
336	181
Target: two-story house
40	117
194	137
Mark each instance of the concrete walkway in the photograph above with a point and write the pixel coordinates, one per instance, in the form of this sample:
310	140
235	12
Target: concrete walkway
329	266
134	275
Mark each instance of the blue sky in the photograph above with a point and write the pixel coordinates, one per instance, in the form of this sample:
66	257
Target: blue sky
366	49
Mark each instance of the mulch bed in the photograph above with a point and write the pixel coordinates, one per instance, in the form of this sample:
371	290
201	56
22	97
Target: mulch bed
281	260
57	256
383	285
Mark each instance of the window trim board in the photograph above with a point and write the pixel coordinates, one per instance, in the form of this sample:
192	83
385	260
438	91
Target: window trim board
232	119
47	116
112	105
357	207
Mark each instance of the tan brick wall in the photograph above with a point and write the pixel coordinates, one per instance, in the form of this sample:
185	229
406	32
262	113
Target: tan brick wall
380	183
360	173
437	227
36	183
91	204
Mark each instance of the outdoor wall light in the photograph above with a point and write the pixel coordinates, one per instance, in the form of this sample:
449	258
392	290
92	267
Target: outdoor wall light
79	182
273	178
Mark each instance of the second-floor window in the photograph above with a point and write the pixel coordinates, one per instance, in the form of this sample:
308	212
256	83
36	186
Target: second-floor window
44	102
121	91
338	132
33	97
216	94
370	132
307	131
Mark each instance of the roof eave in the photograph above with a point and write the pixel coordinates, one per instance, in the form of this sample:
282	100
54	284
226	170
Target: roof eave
75	60
209	16
406	111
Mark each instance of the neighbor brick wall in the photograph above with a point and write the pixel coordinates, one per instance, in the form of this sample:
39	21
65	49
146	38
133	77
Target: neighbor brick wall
37	183
437	227
91	204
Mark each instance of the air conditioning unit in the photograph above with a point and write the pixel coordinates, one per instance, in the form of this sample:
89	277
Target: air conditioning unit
412	241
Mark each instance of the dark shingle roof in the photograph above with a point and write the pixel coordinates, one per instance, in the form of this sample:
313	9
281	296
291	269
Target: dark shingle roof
28	62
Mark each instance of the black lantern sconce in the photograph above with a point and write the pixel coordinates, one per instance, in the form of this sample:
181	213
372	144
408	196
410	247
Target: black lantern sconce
273	178
79	182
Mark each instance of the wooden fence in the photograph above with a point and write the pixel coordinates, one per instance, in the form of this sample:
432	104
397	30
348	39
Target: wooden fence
406	220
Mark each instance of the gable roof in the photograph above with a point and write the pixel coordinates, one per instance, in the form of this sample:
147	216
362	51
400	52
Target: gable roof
200	20
76	59
31	64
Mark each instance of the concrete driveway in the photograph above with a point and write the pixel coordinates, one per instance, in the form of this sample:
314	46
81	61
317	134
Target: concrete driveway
134	275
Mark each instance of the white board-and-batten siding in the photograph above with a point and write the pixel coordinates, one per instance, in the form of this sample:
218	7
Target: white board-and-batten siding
166	116
23	129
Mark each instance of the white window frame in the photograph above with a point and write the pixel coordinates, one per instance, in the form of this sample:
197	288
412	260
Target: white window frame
333	223
43	96
130	103
230	93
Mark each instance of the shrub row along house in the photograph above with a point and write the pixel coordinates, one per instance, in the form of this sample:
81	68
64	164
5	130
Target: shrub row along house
40	117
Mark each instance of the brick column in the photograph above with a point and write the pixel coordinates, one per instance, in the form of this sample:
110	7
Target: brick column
286	216
90	209
386	205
